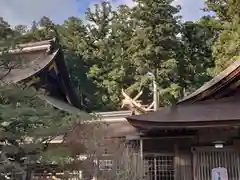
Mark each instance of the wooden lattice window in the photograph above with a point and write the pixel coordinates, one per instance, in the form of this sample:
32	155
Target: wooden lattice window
159	166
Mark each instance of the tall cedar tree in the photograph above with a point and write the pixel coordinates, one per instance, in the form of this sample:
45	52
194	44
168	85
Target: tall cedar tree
109	63
227	18
196	53
155	43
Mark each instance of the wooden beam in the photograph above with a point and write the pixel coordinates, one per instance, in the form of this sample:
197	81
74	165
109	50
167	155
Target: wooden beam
134	104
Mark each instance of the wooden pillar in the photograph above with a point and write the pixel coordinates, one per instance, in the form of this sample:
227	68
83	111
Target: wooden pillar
141	149
182	163
176	161
141	157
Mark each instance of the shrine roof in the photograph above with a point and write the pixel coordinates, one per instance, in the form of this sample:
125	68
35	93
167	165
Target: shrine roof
27	60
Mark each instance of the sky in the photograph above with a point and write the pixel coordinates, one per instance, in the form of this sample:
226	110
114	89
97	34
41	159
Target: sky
26	11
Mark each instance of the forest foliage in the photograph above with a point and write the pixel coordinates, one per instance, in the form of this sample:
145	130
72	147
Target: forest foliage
27	122
111	49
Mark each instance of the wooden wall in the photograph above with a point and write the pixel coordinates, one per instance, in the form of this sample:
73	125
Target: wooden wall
182	147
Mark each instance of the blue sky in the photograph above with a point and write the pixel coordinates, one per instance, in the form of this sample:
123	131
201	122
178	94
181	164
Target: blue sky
25	11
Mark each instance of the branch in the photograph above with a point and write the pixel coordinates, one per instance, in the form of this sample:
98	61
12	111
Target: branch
8	162
9	70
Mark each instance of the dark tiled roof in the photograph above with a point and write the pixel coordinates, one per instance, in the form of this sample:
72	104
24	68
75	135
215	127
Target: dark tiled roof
206	111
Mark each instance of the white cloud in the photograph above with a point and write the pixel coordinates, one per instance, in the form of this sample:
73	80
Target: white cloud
26	11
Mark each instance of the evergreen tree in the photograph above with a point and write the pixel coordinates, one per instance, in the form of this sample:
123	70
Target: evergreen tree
227	47
197	39
109	32
44	29
27	123
116	49
100	50
74	40
155	43
123	71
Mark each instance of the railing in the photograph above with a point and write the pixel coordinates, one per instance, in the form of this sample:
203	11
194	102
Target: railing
205	159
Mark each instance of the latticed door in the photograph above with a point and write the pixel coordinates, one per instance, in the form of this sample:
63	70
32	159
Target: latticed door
159	166
205	159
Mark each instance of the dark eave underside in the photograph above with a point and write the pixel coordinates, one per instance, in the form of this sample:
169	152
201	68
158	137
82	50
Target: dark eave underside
155	126
64	106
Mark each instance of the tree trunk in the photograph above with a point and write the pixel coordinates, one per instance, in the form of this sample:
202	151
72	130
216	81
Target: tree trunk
28	175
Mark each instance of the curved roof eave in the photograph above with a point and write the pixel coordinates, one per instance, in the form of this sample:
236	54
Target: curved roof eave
213	81
63	106
29	72
44	54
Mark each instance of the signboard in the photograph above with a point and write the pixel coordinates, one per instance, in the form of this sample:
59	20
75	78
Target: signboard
219	174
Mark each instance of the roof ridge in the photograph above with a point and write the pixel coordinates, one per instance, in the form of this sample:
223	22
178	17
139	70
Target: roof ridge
37	43
47	45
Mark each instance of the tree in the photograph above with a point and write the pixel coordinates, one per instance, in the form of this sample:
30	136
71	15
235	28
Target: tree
226	48
100	52
21	29
27	123
116	49
109	32
41	30
6	33
124	71
25	118
73	37
154	45
196	54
